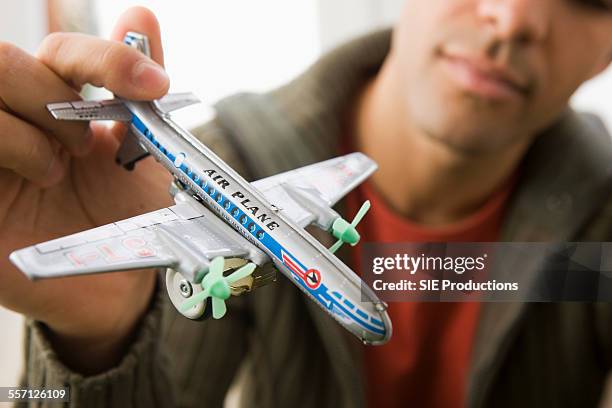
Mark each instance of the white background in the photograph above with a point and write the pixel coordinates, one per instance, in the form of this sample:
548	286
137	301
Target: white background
217	48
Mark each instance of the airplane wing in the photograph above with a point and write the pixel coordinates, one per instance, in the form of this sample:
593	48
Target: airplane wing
112	109
186	237
115	109
298	193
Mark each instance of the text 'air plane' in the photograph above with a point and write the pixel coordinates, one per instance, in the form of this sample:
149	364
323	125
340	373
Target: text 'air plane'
219	223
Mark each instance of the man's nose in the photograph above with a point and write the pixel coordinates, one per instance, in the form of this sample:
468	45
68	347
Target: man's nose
523	21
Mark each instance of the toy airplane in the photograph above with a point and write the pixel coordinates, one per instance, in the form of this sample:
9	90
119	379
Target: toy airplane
219	222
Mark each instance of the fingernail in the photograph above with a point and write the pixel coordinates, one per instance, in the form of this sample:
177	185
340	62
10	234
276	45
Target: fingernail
149	75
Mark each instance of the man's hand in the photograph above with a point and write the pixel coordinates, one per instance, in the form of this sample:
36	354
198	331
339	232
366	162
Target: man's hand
60	177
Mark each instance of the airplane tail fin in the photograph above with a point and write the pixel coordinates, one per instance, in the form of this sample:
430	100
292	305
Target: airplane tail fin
138	41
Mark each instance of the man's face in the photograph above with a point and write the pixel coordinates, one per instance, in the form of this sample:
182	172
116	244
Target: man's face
480	75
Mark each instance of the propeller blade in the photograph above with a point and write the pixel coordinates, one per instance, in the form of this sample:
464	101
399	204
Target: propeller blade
360	214
216	266
243	272
194	300
211	281
219	308
336	246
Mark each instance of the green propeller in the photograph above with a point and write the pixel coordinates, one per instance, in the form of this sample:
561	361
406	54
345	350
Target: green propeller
217	287
345	232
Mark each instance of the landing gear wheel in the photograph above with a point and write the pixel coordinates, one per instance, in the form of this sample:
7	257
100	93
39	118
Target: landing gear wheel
180	289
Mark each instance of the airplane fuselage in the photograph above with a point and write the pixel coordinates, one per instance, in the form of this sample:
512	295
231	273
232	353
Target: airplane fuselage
297	254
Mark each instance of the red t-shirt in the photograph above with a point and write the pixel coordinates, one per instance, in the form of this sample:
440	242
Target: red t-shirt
425	363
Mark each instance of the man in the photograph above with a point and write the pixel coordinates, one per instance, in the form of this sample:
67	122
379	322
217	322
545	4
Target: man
465	110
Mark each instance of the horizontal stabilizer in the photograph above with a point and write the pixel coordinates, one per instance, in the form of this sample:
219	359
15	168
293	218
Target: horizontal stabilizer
175	101
113	109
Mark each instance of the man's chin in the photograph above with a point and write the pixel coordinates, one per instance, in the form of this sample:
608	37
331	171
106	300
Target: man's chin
463	139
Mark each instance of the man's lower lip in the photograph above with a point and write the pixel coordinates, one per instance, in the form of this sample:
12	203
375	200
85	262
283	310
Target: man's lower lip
478	83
